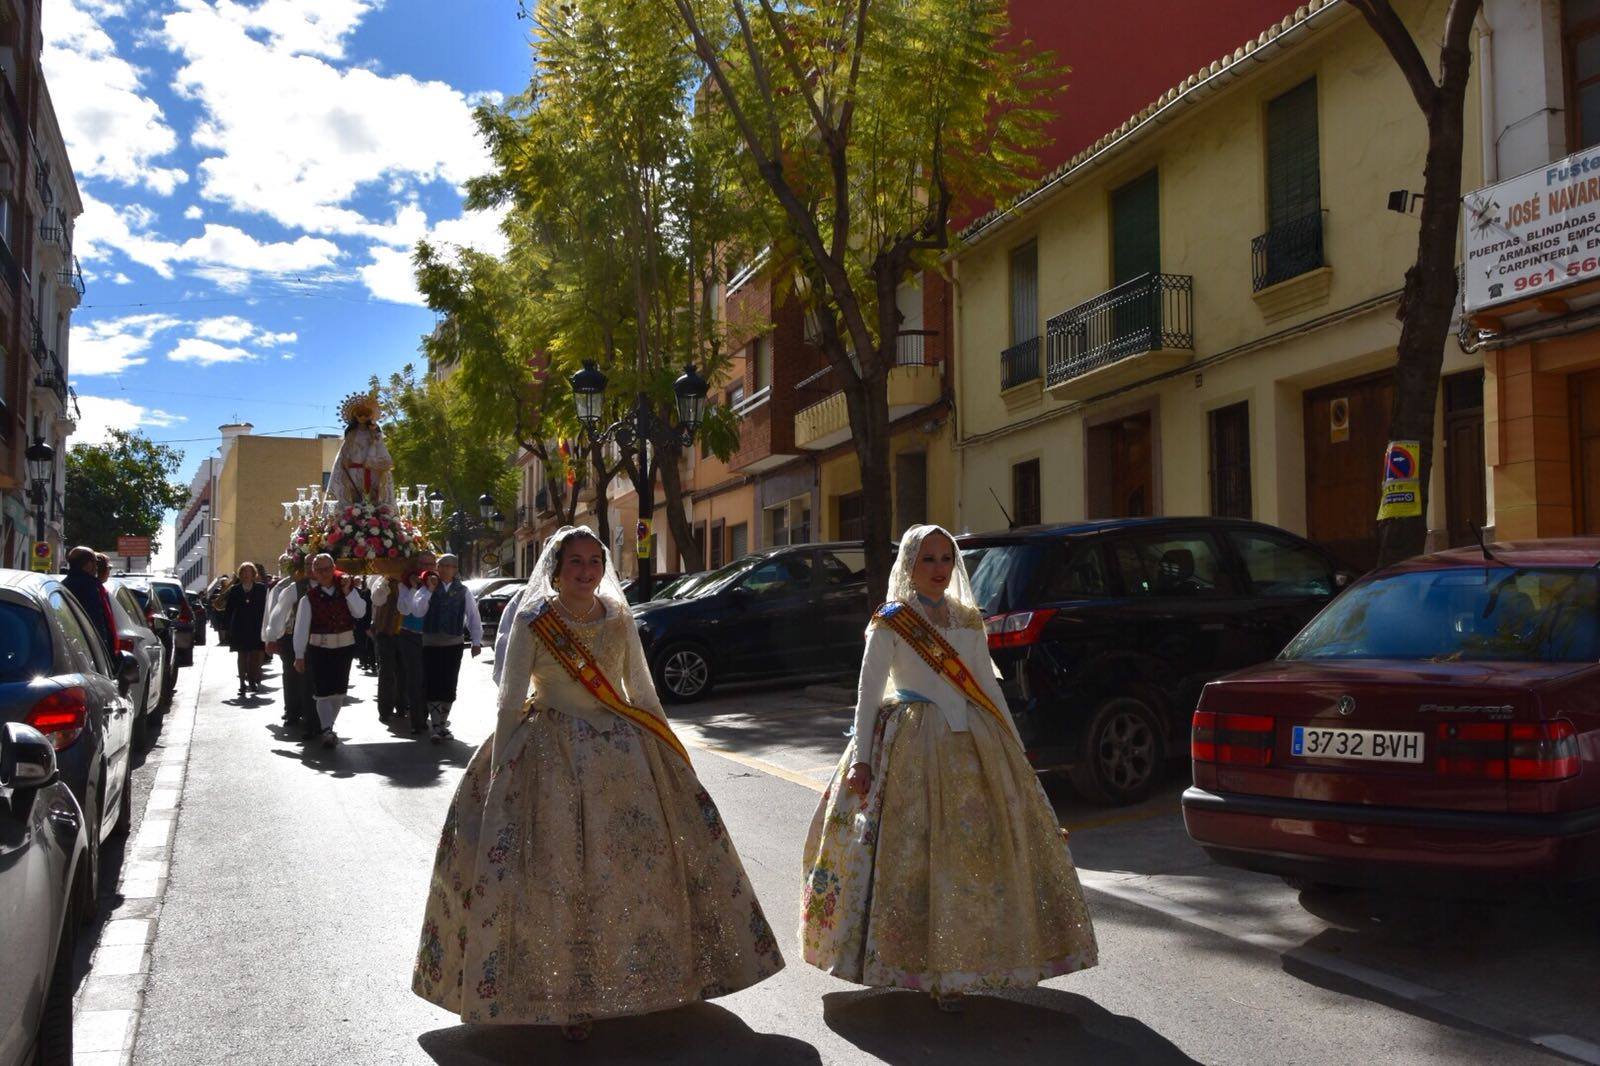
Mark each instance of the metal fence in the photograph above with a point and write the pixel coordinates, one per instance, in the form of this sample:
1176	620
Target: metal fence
1151	312
1019	363
1287	251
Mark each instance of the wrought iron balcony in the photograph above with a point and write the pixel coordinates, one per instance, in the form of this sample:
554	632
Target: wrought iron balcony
1019	364
41	180
72	277
541	500
51	234
1287	251
36	338
9	271
1153	312
51	376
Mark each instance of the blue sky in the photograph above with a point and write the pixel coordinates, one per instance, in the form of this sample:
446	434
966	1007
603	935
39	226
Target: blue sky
255	174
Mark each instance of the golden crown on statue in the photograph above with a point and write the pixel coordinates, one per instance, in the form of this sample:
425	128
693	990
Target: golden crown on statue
358	406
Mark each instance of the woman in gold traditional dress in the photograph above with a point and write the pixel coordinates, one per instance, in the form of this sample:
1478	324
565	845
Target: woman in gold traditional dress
935	861
583	871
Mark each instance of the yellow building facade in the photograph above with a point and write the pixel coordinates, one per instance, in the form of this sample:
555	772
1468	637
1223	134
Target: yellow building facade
254	478
1242	365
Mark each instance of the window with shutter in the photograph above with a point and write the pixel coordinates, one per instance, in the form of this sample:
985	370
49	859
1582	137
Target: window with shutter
1294	182
1025	293
1580	24
1230	461
1136	229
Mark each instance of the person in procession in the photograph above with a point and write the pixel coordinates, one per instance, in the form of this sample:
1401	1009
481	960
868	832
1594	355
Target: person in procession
366	649
448	611
599	878
245	604
934	861
277	634
385	642
408	647
325	639
90	593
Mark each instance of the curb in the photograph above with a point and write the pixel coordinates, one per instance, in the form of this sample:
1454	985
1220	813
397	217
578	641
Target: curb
111	999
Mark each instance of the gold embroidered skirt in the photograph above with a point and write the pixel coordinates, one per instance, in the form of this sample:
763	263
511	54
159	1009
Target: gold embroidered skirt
591	877
952	875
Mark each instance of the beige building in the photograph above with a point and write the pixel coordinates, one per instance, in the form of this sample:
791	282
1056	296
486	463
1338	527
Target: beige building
254	476
1196	315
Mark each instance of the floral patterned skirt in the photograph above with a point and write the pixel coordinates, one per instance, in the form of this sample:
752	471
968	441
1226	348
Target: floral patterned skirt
952	876
590	877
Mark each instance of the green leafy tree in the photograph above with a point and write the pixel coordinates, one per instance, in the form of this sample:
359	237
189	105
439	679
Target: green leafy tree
435	436
863	120
123	487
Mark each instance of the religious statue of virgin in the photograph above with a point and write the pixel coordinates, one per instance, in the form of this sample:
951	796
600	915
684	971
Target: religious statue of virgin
363	472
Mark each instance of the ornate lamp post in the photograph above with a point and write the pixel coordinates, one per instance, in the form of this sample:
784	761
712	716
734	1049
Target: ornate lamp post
41	471
640	427
462	528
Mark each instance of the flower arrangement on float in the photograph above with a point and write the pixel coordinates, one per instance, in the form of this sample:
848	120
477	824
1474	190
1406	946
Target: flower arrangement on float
362	538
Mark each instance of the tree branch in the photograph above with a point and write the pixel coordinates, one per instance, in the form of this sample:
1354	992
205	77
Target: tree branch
1395	37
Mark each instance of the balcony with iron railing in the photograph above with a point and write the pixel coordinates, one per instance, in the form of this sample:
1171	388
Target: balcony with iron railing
52	234
914	383
10	272
1019	364
1287	251
1140	328
53	377
71	277
36	338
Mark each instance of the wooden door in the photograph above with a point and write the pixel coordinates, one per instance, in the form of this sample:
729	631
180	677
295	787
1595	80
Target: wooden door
1121	481
1344	465
1465	497
1585	392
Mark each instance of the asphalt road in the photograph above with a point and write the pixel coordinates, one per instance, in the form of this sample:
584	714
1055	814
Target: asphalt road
297	881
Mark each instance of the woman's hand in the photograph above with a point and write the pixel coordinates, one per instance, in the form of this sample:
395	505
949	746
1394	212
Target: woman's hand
859	779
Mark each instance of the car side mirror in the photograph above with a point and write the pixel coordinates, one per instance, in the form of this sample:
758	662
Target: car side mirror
27	758
127	668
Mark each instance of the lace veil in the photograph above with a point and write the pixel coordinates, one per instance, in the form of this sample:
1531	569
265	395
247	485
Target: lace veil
541	584
900	587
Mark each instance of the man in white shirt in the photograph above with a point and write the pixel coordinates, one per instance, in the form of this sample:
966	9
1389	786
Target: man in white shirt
277	633
325	639
448	613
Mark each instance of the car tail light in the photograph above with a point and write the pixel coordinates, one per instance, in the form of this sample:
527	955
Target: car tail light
1017	629
1543	751
1232	739
61	716
1471	749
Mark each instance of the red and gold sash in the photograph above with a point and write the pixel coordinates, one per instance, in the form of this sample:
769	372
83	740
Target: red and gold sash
937	653
579	662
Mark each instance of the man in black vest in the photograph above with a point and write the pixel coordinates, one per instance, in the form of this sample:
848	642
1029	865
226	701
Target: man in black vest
448	613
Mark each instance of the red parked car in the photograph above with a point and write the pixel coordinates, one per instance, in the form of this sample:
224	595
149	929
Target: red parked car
1437	725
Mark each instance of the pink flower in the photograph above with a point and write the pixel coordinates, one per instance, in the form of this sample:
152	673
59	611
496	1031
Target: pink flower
360	551
333	538
394	553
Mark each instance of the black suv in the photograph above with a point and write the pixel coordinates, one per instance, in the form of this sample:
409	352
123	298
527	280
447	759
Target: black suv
1106	631
782	612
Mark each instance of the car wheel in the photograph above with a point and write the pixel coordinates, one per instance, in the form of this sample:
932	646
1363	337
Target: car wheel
125	806
89	898
1120	759
683	673
54	1045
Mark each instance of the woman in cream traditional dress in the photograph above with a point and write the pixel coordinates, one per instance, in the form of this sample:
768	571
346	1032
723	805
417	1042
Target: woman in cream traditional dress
935	861
583	871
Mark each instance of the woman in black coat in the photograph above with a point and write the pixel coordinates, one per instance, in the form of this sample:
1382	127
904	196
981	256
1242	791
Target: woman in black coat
246	607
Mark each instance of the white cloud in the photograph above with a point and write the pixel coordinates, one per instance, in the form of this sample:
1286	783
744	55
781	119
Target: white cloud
102	414
206	353
111	128
225	254
300	153
193	213
112	345
234	329
119	278
390	274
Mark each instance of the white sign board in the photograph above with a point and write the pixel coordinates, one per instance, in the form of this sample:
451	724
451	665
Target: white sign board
1533	233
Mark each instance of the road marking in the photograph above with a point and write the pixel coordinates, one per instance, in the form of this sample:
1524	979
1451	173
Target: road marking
759	764
1124	818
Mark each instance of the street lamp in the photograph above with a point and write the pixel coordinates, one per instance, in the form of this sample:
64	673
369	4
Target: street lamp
462	527
640	426
41	469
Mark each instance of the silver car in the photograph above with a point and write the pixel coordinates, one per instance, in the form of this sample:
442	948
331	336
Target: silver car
138	639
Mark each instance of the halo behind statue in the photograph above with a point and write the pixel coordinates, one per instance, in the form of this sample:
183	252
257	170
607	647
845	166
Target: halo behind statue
359	405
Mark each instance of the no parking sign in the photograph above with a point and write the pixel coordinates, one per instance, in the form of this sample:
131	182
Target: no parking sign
40	557
1402	485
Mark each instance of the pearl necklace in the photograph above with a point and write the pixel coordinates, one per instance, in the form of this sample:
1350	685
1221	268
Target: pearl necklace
595	608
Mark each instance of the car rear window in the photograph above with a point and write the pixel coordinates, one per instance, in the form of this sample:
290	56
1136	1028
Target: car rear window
171	595
24	642
1002	575
1490	614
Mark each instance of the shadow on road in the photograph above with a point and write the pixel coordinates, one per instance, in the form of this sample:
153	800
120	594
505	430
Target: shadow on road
701	1033
1044	1025
407	761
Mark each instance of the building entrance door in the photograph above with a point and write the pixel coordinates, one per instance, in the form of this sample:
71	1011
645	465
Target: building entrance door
1465	496
1346	428
1121	483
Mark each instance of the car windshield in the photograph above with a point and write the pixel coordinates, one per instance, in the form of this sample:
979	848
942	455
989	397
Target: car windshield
1000	575
1487	614
685	587
717	580
24	642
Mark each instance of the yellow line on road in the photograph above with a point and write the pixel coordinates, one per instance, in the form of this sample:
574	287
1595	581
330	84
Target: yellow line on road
760	764
1126	818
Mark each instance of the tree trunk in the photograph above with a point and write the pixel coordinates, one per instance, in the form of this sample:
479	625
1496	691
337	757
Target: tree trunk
1428	301
868	401
602	481
677	519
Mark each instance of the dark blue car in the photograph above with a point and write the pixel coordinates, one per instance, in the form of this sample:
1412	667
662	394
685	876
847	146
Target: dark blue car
44	879
57	676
